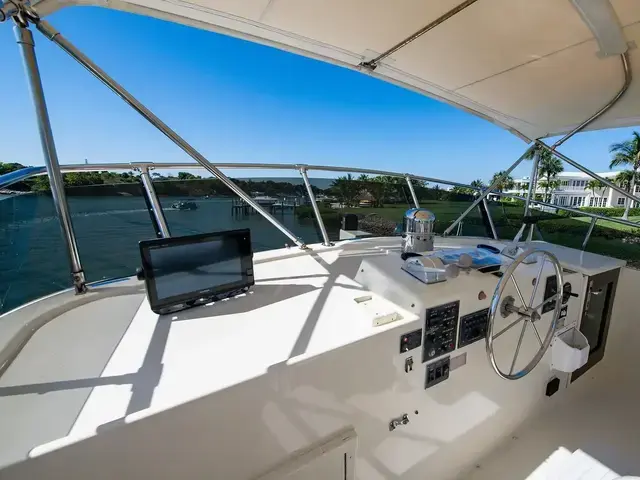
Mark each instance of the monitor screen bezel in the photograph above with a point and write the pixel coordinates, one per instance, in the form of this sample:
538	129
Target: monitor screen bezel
242	236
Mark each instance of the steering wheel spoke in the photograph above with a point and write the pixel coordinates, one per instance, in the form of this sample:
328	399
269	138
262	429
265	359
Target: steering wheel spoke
515	355
526	313
535	286
552	298
535	329
508	327
515	284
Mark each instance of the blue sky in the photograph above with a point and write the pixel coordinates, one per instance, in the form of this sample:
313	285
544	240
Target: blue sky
241	102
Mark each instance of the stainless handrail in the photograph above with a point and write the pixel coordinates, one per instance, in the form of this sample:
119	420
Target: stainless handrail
413	192
19	175
626	67
578	212
316	210
588	235
491	225
52	34
156	207
485	192
29	172
593	175
533	182
24	38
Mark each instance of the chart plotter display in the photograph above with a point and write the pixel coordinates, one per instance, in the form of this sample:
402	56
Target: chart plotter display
181	272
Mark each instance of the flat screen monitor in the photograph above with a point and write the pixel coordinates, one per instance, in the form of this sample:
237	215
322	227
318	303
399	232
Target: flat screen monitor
183	272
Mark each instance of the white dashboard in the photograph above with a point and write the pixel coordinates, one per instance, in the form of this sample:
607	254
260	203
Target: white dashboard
454	313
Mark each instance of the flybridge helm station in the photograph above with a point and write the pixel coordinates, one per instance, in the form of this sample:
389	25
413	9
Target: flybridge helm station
599	16
339	354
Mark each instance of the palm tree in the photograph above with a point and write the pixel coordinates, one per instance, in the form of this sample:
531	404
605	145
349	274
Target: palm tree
549	166
363	180
505	184
594	185
462	190
347	189
627	153
378	190
478	184
623	179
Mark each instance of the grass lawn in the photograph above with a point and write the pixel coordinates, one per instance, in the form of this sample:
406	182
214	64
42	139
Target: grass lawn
610	224
390	212
444	211
570	231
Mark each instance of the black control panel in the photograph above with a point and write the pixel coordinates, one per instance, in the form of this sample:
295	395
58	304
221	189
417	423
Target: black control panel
410	340
473	327
441	330
437	372
551	288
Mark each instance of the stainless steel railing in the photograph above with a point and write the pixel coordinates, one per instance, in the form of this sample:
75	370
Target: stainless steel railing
26	16
29	172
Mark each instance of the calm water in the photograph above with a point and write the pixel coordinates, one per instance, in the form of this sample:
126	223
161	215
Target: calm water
33	261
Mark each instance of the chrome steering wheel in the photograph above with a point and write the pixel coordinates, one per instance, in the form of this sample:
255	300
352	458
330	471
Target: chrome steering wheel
525	311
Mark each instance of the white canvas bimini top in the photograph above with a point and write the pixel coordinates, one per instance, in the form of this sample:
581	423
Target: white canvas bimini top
530	66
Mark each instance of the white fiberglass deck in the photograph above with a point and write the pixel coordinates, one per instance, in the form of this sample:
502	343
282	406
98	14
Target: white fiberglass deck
131	362
109	363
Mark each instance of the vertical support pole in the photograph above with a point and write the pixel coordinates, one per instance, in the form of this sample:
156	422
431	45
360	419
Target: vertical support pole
493	227
24	38
55	36
530	234
413	192
314	205
156	208
486	192
533	182
588	235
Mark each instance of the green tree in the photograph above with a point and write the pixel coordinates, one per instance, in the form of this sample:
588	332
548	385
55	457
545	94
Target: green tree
505	183
9	167
378	190
346	188
594	185
478	184
623	179
40	184
549	167
627	153
548	185
460	190
187	176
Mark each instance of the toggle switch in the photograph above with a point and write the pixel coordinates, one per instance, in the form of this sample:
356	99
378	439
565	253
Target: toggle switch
408	365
